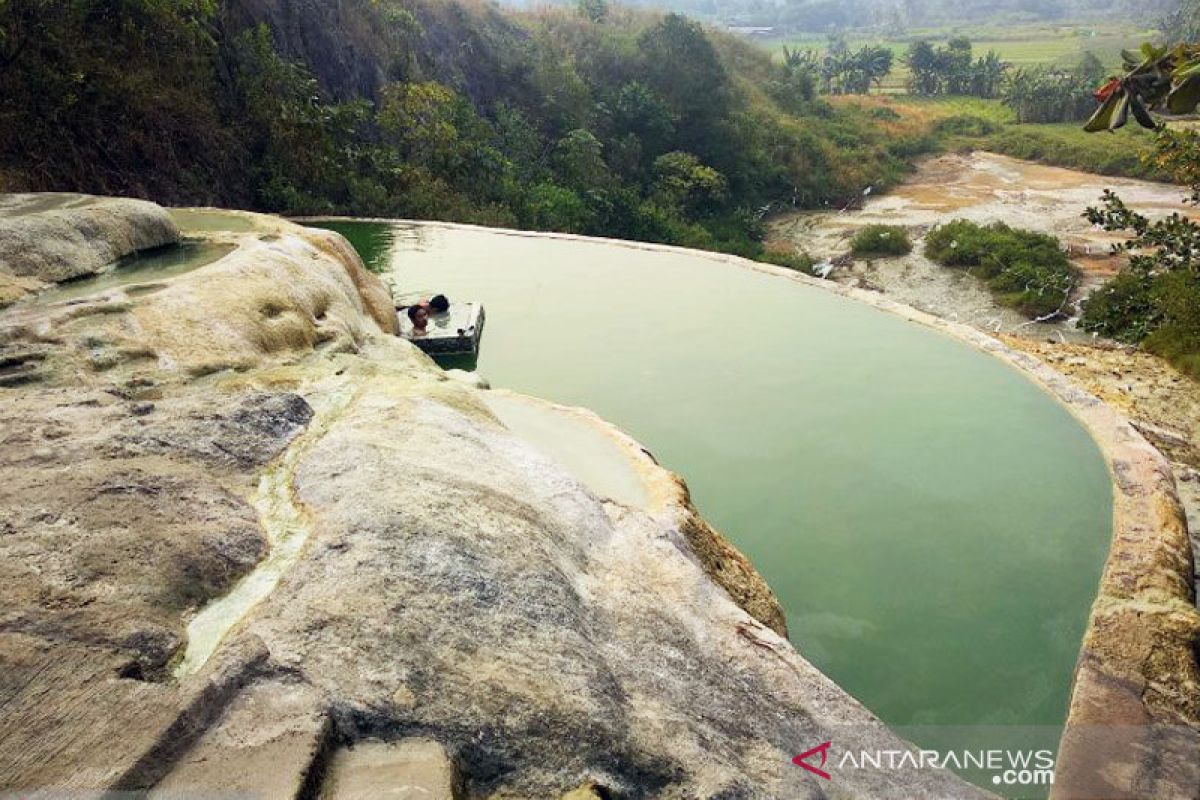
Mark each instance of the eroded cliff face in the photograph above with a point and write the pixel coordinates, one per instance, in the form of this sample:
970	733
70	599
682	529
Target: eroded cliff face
422	590
354	47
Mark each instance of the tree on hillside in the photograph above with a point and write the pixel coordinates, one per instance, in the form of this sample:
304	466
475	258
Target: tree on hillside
594	10
579	160
301	147
797	83
518	139
682	182
640	111
87	89
681	65
418	119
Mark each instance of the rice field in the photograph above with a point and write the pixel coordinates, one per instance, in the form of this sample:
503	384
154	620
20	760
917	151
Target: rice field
1022	45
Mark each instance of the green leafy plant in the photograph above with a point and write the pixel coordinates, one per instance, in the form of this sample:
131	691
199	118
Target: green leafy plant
1026	270
1157	78
880	240
801	262
1155	300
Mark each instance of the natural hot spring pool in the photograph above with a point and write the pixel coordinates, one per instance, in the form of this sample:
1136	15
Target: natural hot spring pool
933	523
148	267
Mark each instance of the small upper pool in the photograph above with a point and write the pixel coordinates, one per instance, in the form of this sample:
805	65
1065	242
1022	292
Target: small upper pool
933	522
147	267
143	270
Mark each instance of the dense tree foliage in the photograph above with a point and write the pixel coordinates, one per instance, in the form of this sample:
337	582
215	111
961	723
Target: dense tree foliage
949	69
73	72
588	119
1044	94
840	70
1156	298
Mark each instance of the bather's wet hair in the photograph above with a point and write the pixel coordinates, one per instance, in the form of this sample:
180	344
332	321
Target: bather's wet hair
412	313
439	304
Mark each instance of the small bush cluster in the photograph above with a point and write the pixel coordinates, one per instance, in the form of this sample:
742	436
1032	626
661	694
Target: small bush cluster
1069	146
881	240
801	262
965	125
1155	299
1161	312
1122	309
1026	270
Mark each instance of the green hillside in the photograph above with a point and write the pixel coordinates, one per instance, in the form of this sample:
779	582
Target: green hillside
597	120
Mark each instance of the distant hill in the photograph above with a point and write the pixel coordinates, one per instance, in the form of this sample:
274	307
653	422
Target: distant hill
888	17
595	120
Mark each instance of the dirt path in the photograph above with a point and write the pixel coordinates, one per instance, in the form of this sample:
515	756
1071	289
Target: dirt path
985	187
981	187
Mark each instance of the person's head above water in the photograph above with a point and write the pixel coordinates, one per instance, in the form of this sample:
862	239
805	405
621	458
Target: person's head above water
438	304
418	316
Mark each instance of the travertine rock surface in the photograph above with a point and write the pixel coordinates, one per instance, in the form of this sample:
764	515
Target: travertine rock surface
428	574
47	238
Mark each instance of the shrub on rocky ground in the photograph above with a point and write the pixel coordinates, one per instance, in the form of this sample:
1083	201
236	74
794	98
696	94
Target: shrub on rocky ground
881	240
1026	270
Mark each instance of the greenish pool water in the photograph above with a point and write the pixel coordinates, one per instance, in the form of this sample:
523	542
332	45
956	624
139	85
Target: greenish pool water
139	271
933	523
373	242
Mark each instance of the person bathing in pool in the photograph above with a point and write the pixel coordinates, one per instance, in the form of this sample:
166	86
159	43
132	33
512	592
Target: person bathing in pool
438	304
419	312
419	317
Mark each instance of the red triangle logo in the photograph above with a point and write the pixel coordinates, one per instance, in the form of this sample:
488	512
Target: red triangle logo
802	760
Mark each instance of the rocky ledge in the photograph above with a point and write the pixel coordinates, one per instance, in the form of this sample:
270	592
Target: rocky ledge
49	238
253	542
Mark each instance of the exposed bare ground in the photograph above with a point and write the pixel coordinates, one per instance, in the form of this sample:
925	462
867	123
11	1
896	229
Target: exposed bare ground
984	188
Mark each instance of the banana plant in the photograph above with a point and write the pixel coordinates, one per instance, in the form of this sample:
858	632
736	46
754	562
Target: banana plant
1161	79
